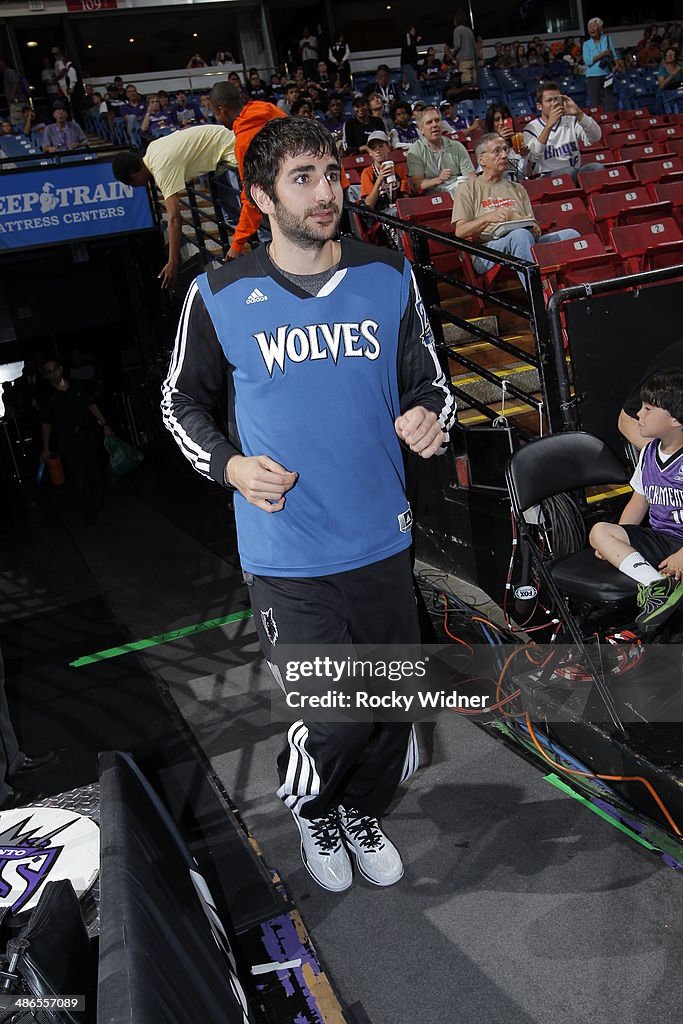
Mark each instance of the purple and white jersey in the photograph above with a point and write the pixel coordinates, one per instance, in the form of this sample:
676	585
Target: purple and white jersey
659	478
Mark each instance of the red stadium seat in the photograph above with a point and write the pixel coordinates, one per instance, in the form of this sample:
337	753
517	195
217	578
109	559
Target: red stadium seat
619	135
581	260
672	192
356	161
425	208
666	133
398	156
675	146
522	120
551	187
656	170
598	156
646	124
647	246
646	151
352	175
616	176
563	213
627	206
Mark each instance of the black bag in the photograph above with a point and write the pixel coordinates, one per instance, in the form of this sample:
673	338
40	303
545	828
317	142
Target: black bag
51	956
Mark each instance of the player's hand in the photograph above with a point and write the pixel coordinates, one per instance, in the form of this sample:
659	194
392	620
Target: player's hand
420	430
673	565
169	274
261	480
233	253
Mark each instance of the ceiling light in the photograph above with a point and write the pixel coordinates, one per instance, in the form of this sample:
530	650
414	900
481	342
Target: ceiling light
32	44
131	40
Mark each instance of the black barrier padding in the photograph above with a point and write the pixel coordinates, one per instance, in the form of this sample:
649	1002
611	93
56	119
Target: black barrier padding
612	340
159	956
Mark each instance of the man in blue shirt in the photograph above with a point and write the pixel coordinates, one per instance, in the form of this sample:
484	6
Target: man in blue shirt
331	369
63	134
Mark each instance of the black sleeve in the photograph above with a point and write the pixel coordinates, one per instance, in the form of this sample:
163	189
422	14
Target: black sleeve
421	379
196	382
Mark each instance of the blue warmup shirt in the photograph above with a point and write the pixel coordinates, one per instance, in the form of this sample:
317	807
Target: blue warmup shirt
315	382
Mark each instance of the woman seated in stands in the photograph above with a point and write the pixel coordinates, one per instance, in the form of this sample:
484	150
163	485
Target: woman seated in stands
499	119
520	56
670	73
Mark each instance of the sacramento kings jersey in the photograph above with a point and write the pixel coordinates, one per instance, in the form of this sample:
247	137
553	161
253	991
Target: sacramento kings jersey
315	382
660	479
561	151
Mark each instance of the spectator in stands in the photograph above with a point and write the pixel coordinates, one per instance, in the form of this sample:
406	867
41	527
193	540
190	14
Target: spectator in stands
133	110
670	73
47	77
256	88
205	107
434	162
322	76
482	203
317	97
291	94
302	107
15	90
507	58
404	133
156	122
308	47
499	119
376	107
492	62
63	134
245	119
464	51
553	138
340	55
533	59
170	162
599	56
334	118
383	182
235	79
521	57
186	112
70	82
196	61
410	60
451	124
6	128
357	129
384	88
429	68
222	59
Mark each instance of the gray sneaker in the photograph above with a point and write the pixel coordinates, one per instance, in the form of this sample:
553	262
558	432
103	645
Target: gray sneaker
377	858
324	853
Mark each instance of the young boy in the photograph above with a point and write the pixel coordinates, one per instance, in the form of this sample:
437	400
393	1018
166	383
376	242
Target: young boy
381	186
653	555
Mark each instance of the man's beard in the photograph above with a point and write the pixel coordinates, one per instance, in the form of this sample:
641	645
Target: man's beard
301	233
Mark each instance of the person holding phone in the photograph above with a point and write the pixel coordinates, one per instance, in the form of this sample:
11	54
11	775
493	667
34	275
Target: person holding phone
599	57
499	119
553	137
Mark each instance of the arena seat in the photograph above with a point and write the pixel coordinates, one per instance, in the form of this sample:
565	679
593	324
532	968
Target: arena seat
551	187
671	191
617	135
582	260
651	245
627	206
666	133
645	151
646	124
420	209
356	161
675	146
616	176
563	213
579	584
398	156
650	171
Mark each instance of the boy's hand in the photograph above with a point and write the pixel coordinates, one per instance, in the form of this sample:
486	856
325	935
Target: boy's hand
673	565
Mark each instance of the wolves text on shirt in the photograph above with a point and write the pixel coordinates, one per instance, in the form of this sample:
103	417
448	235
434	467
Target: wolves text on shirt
318	341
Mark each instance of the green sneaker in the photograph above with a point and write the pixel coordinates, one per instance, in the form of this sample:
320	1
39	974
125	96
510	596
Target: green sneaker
658	600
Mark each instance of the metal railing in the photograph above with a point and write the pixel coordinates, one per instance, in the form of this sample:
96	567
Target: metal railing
428	278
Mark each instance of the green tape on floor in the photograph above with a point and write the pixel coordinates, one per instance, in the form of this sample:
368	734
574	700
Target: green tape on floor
163	638
559	783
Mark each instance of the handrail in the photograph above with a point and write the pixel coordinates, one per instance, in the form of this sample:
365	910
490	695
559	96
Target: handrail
428	278
586	291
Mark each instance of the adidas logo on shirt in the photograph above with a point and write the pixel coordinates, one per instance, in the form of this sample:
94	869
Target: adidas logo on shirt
257	296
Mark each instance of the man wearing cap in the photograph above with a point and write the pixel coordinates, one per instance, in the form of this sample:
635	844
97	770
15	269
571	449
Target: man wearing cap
357	129
63	134
383	182
434	162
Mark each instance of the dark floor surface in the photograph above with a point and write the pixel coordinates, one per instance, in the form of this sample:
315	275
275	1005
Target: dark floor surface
518	905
